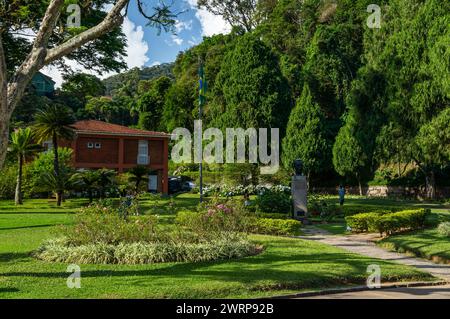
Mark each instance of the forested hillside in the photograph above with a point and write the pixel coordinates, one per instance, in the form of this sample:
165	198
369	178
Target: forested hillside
350	100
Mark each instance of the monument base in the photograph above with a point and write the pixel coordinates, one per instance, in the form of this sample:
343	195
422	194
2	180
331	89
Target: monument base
299	197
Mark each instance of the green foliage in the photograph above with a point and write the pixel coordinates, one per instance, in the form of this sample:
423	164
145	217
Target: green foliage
8	175
444	229
52	122
42	167
272	226
138	175
81	86
433	139
388	223
250	90
305	136
274	202
150	105
132	77
145	253
105	224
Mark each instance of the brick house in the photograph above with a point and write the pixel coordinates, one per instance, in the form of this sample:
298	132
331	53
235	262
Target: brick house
104	145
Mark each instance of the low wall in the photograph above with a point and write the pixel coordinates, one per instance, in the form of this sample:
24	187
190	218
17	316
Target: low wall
385	191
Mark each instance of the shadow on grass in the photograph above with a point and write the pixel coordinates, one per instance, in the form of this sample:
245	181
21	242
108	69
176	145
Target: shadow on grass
16	257
268	271
31	226
3	290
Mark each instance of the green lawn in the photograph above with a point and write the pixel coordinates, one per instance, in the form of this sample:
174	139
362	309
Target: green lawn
427	243
424	243
338	226
286	265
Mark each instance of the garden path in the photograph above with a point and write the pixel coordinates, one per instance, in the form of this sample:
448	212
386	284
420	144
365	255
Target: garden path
363	244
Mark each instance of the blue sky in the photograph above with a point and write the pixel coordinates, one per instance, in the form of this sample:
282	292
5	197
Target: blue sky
147	48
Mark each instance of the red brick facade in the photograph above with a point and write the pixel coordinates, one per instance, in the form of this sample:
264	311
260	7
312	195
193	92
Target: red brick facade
103	145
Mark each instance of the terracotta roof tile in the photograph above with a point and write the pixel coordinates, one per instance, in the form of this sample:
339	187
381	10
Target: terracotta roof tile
99	127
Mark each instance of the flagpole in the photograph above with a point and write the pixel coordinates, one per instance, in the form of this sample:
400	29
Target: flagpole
200	105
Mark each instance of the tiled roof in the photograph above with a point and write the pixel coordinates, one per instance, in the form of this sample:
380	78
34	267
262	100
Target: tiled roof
99	127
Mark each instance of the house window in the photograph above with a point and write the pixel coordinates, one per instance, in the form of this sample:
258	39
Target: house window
90	145
98	145
142	158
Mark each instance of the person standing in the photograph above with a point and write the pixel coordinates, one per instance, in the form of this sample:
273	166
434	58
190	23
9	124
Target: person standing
341	193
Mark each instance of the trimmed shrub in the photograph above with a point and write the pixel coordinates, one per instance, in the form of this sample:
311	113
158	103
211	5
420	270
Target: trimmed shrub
359	223
270	226
274	202
353	210
145	253
388	223
444	229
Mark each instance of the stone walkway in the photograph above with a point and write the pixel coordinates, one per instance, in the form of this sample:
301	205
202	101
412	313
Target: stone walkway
363	244
434	292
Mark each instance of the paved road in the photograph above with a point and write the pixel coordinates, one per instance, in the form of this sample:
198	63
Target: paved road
432	292
363	244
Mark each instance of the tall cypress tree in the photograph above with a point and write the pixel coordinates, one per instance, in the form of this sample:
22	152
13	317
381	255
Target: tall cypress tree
305	135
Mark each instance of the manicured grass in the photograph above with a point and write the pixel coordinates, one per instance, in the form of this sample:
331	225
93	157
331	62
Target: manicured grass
424	243
285	266
439	212
334	228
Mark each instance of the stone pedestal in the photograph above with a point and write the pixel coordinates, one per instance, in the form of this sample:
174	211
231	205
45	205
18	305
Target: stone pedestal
299	191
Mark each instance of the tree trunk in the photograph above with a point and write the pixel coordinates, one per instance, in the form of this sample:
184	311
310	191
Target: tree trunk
360	187
59	191
4	136
430	185
18	196
12	90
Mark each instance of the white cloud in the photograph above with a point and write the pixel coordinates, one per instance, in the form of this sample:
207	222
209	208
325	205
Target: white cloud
177	40
183	25
211	24
136	51
155	63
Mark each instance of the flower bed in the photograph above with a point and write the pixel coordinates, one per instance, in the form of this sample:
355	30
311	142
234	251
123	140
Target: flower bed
106	235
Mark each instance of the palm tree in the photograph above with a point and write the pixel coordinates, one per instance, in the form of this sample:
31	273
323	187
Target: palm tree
53	123
106	178
22	145
87	180
138	174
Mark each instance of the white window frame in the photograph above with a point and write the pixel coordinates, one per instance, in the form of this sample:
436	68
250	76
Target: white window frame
90	145
142	156
98	145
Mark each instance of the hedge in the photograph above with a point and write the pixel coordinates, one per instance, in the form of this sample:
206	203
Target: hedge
270	226
388	223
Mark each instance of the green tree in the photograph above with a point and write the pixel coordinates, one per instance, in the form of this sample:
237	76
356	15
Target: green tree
87	181
410	53
238	13
22	145
305	136
433	143
138	175
43	165
349	157
106	179
150	104
82	86
52	123
250	90
97	43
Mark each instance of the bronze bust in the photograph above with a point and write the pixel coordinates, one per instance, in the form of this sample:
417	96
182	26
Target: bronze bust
298	167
